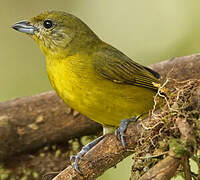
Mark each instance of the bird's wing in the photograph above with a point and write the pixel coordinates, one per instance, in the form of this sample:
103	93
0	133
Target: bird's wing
117	67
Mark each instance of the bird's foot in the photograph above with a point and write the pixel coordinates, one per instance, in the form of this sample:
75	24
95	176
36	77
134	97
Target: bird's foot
83	151
122	128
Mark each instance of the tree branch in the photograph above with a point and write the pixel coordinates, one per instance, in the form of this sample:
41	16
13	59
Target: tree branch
163	170
105	155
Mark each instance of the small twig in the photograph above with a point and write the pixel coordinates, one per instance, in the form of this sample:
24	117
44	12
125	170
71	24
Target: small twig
186	168
163	170
154	156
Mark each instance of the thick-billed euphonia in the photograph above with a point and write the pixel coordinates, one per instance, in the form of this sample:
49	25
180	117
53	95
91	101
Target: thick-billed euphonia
90	75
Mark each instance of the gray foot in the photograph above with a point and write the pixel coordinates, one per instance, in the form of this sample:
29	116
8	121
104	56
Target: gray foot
83	151
122	128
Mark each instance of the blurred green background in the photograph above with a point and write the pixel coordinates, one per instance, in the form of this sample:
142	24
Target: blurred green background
147	31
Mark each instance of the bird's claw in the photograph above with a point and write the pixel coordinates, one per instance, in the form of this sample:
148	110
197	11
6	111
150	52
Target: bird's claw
83	151
76	160
122	128
120	132
75	164
72	158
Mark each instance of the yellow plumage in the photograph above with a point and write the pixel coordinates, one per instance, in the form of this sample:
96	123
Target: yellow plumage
100	99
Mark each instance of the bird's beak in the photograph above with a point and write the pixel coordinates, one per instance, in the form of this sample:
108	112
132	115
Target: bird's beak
25	27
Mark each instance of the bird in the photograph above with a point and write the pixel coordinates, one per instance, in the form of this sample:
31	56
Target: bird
91	76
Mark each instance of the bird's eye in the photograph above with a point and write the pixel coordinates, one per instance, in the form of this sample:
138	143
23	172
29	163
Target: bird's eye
48	24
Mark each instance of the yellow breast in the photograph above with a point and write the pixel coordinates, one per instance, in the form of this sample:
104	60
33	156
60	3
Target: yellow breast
64	78
104	101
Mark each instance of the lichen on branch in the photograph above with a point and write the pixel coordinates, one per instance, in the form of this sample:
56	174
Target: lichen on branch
174	130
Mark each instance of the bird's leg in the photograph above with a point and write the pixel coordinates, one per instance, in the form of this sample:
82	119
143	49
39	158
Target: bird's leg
122	128
83	151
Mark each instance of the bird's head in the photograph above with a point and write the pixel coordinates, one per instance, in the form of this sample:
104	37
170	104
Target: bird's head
58	33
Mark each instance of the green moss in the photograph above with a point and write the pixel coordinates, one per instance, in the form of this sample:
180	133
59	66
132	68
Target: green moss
4	176
75	145
42	154
27	172
35	175
178	149
4	173
57	153
24	178
13	178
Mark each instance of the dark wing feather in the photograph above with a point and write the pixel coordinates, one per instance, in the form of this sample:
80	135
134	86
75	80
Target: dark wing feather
117	67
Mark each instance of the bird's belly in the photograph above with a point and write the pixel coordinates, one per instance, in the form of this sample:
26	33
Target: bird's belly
101	100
